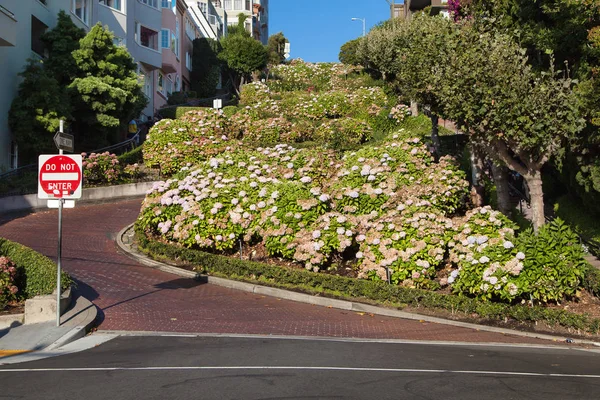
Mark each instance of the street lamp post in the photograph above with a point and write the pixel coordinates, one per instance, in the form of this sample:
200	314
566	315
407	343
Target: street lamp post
363	22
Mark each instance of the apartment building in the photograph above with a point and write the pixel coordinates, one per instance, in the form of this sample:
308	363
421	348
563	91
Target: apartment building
437	6
257	11
157	33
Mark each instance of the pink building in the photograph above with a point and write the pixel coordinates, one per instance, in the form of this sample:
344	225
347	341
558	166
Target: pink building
168	78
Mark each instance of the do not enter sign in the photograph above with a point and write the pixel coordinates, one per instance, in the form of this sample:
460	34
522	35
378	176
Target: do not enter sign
59	176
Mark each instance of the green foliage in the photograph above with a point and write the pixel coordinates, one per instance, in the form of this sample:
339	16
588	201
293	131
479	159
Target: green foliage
106	92
580	218
276	48
547	267
36	274
60	42
242	54
177	98
348	53
36	111
361	290
554	265
85	80
131	157
206	67
177	112
8	275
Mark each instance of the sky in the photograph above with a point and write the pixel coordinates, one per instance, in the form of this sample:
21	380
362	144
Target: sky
317	29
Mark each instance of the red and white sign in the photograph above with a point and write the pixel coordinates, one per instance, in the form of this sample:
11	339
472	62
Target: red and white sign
59	176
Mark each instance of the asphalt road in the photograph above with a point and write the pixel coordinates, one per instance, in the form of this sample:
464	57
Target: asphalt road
161	367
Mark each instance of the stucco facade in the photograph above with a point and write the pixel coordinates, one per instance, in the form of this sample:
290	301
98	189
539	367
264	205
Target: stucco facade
140	25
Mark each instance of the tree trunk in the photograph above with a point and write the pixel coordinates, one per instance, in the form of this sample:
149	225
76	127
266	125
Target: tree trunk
435	136
476	177
414	108
500	174
536	194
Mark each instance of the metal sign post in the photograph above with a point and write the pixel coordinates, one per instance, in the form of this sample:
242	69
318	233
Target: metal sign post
59	181
59	251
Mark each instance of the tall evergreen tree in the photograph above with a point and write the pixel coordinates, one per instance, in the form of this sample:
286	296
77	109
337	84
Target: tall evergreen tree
106	92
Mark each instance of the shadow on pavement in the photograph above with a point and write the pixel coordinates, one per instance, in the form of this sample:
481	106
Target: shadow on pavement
175	284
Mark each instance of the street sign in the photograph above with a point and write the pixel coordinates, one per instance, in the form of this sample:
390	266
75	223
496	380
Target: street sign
64	141
59	176
286	50
55	203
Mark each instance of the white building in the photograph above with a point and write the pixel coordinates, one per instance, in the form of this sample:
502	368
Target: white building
257	12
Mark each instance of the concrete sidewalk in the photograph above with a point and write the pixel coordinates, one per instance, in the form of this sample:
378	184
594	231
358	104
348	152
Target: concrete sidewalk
75	323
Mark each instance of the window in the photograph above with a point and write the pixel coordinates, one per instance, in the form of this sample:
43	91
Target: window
37	30
177	30
188	61
203	7
248	5
116	4
177	84
228	4
117	41
151	3
190	30
237	4
81	8
146	37
14	155
161	83
164	38
169	86
165	4
146	81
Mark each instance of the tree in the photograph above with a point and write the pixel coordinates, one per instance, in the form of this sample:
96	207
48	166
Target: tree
422	44
240	28
42	99
206	67
520	117
348	53
566	31
243	56
60	42
36	111
106	92
276	48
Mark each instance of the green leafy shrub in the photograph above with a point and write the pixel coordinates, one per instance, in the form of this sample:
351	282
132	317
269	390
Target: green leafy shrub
131	157
36	274
545	267
8	289
174	112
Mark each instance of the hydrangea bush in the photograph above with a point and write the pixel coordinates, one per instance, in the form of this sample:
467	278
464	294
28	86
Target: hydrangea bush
387	209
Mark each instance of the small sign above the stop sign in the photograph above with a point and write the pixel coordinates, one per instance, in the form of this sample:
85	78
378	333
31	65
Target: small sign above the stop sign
59	176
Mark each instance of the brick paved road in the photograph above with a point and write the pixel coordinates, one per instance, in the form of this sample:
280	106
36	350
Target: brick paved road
137	298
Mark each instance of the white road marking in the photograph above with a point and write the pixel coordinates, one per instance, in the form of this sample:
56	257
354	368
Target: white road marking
345	369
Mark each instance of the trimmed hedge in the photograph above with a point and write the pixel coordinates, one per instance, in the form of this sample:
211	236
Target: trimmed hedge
36	273
176	112
131	157
371	291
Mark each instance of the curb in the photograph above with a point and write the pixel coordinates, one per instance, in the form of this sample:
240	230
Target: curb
125	246
28	202
90	313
